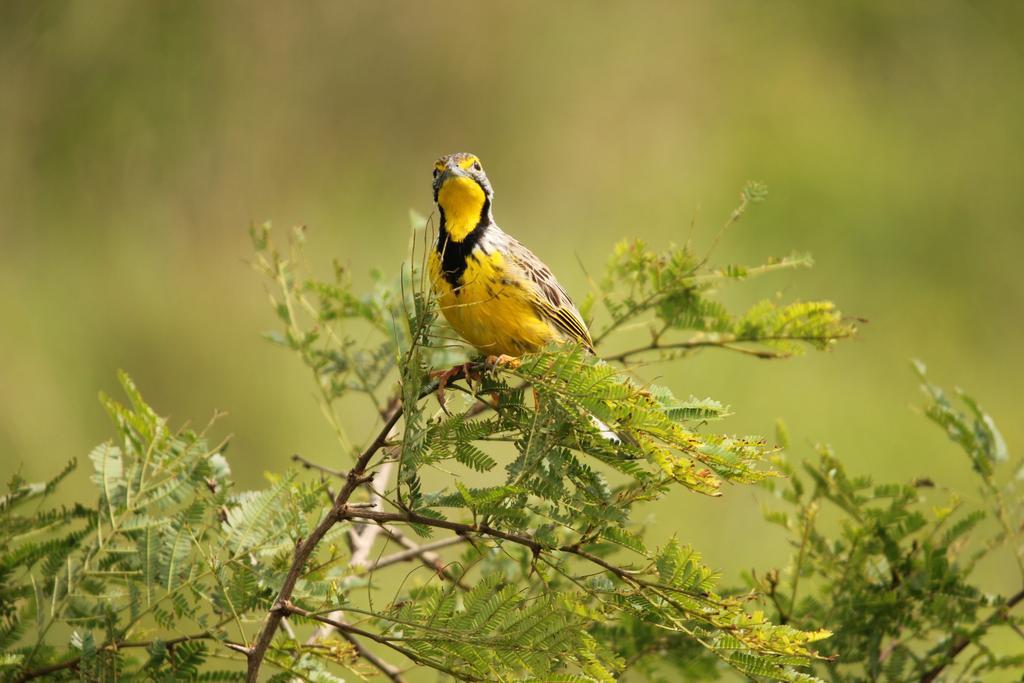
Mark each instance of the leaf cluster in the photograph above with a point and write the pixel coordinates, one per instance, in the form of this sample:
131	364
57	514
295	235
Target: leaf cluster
674	291
166	559
891	567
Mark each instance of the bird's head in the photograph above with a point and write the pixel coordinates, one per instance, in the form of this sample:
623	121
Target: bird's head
463	194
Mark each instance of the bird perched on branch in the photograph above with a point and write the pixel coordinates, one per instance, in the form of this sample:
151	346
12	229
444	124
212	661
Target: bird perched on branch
494	291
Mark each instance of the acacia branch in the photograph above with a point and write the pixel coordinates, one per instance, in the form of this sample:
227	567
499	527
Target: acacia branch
123	645
632	577
355	478
304	548
466	530
425	553
961	642
343	627
727	344
389	670
629	576
361	542
392	672
310	465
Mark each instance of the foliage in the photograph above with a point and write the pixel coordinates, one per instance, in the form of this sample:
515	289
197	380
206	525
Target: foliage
890	567
165	559
676	288
172	574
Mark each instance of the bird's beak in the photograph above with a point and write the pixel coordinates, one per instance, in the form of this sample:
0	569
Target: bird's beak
452	170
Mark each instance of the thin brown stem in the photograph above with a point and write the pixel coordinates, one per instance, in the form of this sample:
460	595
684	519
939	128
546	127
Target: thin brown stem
304	548
424	553
392	672
809	516
124	645
343	627
727	344
961	642
310	465
486	530
361	538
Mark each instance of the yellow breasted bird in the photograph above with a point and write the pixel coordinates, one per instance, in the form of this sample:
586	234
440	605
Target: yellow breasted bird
494	291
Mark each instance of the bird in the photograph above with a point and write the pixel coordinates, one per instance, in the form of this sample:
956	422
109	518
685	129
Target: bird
496	293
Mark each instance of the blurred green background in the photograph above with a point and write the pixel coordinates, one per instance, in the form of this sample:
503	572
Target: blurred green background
139	140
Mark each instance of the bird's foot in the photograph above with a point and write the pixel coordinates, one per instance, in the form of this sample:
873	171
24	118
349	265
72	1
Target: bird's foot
444	377
510	362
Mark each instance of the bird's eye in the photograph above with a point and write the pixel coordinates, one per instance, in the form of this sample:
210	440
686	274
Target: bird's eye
477	166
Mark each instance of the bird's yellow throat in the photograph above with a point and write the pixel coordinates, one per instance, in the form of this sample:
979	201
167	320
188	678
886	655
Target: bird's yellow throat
463	202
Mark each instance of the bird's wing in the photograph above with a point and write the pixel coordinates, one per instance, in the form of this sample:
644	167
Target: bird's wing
550	298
